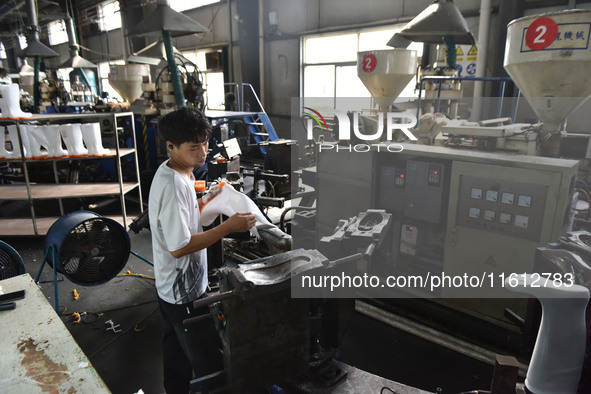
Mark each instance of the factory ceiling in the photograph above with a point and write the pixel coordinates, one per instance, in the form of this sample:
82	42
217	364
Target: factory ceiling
13	15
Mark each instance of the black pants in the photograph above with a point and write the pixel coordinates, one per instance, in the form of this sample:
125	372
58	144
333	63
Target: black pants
187	348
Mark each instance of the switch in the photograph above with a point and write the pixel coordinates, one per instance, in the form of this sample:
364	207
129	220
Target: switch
434	178
399	178
408	239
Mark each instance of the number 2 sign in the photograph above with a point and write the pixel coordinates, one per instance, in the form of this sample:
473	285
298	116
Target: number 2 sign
369	62
541	33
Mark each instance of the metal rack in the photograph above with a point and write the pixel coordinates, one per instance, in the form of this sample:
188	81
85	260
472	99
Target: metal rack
31	191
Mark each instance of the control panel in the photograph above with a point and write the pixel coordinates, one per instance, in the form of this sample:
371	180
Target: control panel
503	207
414	188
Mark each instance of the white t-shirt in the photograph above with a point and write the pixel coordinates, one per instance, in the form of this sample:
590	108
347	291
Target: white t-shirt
174	217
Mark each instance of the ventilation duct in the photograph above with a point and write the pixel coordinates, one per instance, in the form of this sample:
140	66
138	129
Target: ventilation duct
35	47
75	60
165	18
440	19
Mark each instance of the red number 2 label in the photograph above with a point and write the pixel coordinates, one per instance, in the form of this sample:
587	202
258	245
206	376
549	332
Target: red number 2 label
541	33
369	62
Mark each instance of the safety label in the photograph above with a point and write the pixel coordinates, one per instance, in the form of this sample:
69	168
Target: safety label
544	34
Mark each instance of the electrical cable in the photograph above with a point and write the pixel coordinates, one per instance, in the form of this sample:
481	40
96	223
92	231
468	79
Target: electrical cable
272	188
286	210
138	276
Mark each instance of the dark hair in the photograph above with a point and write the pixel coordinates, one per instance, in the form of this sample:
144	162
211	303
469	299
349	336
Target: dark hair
184	125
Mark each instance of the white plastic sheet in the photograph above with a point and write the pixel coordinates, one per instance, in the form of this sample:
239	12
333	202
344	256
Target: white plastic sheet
224	199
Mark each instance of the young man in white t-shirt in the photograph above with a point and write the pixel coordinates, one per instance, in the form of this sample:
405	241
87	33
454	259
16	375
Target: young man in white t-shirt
179	248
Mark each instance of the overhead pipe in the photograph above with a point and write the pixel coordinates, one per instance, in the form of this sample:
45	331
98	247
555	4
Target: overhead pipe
167	22
75	60
35	49
483	33
173	69
261	53
175	75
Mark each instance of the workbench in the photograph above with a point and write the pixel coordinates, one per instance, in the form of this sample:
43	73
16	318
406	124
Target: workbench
38	353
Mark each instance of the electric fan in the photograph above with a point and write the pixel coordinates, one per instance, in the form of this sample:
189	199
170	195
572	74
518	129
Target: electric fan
86	248
11	263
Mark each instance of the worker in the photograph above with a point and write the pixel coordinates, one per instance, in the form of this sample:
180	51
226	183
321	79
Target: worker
179	249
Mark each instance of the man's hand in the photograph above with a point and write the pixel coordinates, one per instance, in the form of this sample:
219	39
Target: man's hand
240	222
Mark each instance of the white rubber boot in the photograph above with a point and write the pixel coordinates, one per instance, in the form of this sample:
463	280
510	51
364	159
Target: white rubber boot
91	133
557	360
54	140
37	140
16	146
73	139
10	102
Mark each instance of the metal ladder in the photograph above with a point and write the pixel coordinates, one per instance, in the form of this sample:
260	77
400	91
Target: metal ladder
258	123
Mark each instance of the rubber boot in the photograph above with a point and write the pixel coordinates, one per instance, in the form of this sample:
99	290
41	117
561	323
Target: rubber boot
557	359
10	102
36	141
16	146
73	139
91	133
54	140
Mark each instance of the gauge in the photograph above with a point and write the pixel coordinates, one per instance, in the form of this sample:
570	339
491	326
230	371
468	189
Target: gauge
474	213
476	193
521	221
504	218
524	201
492	195
507	198
489	215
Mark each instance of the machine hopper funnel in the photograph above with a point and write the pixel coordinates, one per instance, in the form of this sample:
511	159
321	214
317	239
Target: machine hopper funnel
127	79
386	73
548	56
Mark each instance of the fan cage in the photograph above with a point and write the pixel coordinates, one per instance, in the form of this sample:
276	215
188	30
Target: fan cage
11	263
90	251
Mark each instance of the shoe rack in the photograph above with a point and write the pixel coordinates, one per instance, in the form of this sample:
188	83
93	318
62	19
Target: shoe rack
54	190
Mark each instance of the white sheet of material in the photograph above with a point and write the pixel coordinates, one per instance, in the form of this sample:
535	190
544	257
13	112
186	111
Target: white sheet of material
224	199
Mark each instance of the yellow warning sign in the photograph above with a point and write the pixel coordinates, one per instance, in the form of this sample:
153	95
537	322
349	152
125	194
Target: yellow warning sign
459	51
473	51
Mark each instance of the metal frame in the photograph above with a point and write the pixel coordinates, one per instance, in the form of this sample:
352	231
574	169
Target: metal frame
117	157
442	79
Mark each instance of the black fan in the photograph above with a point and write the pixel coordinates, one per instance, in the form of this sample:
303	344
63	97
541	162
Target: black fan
87	248
11	263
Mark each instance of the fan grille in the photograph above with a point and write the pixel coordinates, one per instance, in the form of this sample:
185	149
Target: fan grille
94	251
8	266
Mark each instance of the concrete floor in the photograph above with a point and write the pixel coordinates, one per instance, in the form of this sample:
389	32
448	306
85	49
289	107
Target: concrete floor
130	360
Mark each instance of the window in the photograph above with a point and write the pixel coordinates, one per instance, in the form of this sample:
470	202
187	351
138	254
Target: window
109	15
57	32
329	65
2	51
183	5
104	71
213	81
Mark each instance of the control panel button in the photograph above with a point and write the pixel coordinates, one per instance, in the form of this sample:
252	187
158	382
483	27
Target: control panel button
504	218
399	178
508	198
489	215
474	213
434	178
524	201
476	193
521	221
492	195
